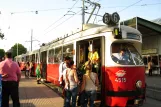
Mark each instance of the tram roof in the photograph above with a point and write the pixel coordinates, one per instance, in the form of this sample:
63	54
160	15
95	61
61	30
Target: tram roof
146	27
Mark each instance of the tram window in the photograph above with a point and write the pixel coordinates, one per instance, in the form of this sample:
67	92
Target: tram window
58	55
36	58
68	51
159	58
33	57
145	60
125	54
51	56
22	59
27	58
155	60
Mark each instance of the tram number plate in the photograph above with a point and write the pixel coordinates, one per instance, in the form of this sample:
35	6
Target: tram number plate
120	79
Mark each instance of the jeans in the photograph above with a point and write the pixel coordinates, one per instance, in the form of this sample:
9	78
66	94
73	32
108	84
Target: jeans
71	93
27	73
91	96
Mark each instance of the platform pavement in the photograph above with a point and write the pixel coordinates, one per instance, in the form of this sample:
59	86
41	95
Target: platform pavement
153	81
153	87
37	95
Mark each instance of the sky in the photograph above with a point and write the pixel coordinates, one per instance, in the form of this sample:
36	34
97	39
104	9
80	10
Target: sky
18	18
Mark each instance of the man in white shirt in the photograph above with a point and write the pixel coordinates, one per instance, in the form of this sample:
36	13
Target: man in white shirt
62	72
62	67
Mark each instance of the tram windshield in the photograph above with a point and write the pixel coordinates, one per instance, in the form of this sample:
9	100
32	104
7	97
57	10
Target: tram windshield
126	54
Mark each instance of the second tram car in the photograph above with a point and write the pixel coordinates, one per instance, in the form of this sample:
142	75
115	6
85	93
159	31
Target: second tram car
122	82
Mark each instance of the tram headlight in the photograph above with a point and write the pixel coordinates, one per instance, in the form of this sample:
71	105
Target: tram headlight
139	84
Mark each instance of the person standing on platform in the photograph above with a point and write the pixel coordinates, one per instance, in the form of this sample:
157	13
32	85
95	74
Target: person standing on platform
71	84
62	68
38	73
27	72
89	86
150	64
11	75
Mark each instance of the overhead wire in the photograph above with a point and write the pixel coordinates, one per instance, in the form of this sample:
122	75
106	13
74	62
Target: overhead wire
62	16
42	10
68	18
62	22
129	6
125	7
133	5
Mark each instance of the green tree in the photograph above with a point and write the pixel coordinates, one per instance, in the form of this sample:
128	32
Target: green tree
21	49
1	35
2	52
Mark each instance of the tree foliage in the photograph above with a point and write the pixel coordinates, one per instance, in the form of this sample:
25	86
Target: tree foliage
21	49
1	35
2	52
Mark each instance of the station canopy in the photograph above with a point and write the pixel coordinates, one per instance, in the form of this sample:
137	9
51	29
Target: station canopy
147	28
158	21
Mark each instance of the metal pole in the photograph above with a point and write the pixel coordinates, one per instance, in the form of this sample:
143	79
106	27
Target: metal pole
17	49
91	13
83	14
136	23
31	38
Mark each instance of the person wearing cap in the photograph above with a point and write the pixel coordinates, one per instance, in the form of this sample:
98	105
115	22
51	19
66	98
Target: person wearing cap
11	75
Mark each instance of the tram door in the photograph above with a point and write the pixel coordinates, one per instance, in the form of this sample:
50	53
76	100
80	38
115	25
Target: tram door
84	47
33	65
43	59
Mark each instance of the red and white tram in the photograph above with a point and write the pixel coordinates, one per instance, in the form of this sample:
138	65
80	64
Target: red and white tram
122	84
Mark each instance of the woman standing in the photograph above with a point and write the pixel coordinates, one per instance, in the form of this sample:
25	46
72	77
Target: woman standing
27	65
89	85
71	84
38	73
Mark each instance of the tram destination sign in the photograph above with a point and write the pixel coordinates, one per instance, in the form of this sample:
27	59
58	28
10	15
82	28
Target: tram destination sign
111	19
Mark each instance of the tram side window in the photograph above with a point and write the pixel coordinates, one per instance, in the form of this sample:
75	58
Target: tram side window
145	60
27	58
36	60
51	56
125	54
58	55
33	58
68	51
155	60
22	59
30	58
